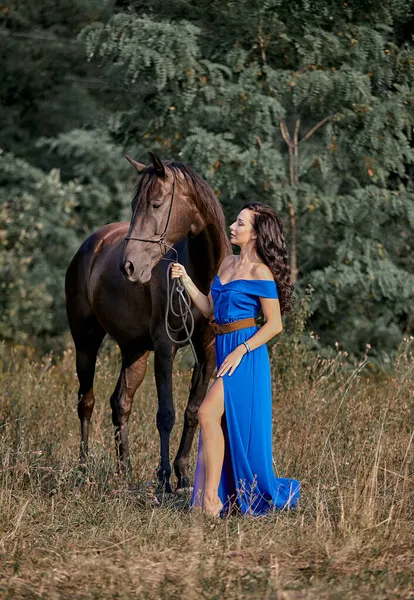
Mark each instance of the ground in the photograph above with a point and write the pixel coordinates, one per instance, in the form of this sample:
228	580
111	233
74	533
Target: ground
72	533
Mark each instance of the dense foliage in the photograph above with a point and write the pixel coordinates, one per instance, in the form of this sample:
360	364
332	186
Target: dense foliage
308	110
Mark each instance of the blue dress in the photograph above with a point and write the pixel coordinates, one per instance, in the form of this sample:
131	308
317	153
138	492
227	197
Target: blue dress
247	479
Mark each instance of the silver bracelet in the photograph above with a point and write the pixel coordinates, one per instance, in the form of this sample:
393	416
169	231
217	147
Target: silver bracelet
247	346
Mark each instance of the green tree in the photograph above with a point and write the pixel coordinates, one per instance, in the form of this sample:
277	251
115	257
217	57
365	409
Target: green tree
37	239
308	110
46	83
59	174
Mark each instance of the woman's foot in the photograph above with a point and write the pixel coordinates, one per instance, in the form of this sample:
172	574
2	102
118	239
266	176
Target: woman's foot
213	507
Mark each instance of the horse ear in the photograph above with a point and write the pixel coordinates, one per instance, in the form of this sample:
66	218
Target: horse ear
157	164
137	165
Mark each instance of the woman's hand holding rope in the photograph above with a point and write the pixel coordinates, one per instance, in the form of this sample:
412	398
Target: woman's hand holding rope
178	270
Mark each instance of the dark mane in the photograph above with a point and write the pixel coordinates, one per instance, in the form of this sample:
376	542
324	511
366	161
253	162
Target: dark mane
200	192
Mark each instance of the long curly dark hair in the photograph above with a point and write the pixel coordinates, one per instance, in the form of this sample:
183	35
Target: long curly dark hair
271	247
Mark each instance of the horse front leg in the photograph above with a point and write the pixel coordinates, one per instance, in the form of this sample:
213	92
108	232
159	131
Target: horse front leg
163	361
130	378
202	373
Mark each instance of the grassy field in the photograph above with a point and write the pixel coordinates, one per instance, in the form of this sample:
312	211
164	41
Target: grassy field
65	533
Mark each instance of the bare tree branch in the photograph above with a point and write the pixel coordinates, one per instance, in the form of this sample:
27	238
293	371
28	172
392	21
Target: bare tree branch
312	131
296	150
285	132
262	45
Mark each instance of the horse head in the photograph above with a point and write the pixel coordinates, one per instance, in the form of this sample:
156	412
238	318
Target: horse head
170	201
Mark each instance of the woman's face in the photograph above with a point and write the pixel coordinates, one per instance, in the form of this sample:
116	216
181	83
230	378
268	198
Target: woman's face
241	231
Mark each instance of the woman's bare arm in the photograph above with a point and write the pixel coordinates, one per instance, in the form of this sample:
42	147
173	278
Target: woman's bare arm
203	303
271	311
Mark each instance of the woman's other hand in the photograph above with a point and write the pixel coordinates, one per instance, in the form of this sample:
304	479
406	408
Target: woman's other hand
232	360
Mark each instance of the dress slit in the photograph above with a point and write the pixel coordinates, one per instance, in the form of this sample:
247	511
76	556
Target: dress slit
227	487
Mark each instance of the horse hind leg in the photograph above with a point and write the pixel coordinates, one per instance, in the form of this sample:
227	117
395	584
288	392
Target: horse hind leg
87	346
130	378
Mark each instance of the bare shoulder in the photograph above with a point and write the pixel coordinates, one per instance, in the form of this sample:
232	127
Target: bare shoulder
262	271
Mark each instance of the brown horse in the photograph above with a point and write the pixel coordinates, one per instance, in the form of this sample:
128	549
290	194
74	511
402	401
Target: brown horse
116	284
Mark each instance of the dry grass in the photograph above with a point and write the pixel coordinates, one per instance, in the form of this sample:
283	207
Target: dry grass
65	533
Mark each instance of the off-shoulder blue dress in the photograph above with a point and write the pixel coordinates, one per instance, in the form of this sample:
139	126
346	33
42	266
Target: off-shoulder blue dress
247	479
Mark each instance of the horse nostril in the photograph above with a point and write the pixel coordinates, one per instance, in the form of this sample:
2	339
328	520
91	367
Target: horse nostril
129	268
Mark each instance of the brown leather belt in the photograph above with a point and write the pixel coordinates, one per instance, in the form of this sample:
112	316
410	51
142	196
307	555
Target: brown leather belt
233	326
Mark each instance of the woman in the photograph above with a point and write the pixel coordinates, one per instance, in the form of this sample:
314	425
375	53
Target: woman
234	464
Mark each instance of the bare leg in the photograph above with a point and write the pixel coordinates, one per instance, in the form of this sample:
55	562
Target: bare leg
199	383
209	416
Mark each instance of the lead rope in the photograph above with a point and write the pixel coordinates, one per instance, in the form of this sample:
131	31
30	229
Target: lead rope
184	307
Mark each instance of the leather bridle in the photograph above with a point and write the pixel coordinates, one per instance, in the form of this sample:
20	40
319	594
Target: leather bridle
161	240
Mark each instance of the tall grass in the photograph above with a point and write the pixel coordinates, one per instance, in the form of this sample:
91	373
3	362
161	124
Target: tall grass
87	533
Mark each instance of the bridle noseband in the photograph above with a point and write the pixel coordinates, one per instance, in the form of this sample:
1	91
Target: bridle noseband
184	302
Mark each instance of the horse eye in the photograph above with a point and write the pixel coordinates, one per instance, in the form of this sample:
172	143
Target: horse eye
157	205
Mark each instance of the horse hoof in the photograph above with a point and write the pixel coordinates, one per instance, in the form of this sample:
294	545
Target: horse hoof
163	488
